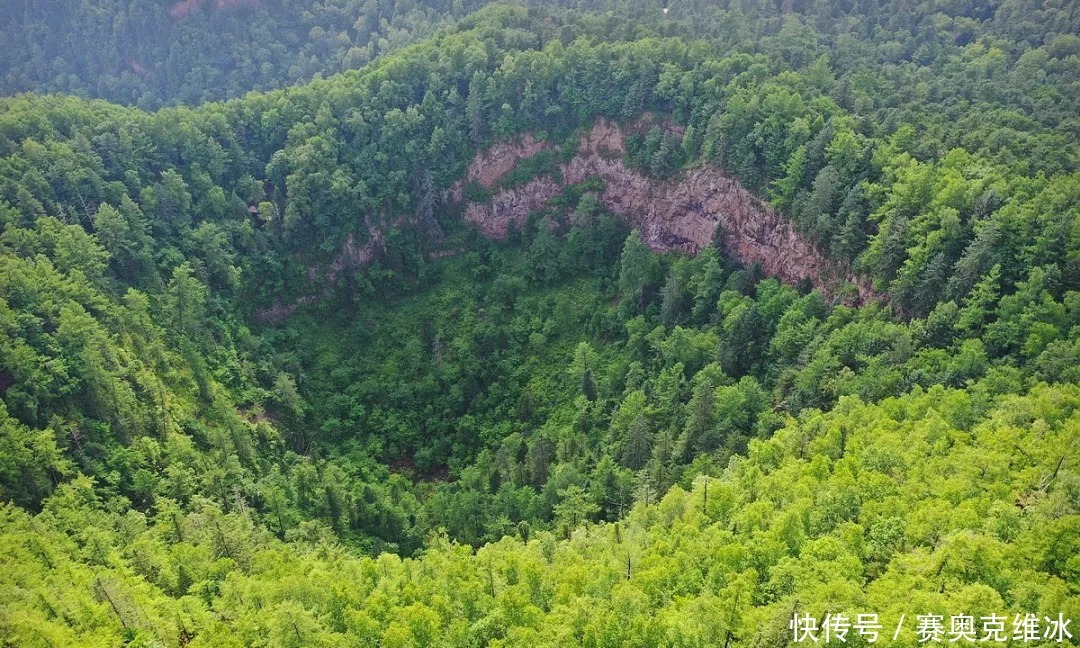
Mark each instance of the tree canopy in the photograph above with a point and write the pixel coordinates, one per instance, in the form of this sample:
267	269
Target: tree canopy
261	384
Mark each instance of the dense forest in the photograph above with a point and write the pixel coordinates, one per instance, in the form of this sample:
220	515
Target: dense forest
151	53
262	384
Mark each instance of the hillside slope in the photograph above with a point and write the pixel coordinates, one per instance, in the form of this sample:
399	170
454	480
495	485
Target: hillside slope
940	502
178	468
683	215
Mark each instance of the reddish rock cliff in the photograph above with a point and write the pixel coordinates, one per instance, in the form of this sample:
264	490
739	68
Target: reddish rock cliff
671	215
681	214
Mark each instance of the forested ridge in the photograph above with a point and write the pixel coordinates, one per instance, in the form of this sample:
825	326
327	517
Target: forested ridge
562	437
149	53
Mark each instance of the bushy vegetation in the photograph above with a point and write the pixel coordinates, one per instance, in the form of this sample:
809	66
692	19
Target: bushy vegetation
219	427
151	54
938	501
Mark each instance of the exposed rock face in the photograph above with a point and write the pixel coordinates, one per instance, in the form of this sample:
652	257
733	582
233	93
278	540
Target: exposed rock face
349	257
489	166
683	214
671	215
278	312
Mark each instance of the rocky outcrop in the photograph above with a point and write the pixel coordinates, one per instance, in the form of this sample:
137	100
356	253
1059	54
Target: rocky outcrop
682	214
489	166
277	312
350	257
671	215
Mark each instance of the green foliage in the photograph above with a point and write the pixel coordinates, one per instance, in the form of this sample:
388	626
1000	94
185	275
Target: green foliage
249	356
152	54
924	499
